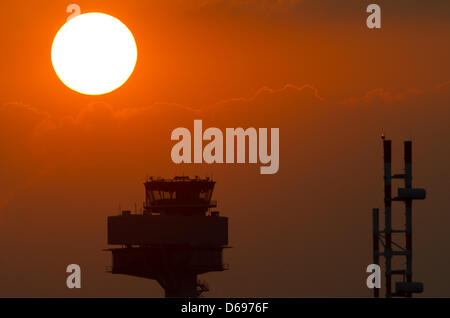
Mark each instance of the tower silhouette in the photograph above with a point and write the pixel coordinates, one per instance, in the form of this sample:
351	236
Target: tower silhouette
406	287
176	238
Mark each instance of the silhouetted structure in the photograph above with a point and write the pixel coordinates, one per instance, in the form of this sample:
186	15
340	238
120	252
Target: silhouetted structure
406	287
175	239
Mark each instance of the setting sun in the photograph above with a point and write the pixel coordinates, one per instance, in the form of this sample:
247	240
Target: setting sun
94	53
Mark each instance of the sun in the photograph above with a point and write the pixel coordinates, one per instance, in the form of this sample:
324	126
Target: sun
94	53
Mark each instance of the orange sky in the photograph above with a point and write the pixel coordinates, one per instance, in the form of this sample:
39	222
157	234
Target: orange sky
311	68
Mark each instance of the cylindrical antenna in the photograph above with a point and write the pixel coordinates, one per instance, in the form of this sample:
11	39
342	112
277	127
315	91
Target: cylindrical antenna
387	211
376	245
408	211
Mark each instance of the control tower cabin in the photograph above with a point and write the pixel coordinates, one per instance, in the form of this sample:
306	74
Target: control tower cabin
176	238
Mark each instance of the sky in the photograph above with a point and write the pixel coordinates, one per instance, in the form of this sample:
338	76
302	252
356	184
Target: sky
310	68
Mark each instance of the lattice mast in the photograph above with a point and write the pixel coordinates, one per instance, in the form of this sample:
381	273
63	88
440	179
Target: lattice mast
405	287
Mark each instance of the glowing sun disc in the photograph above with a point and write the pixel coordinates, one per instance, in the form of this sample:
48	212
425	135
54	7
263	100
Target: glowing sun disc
94	53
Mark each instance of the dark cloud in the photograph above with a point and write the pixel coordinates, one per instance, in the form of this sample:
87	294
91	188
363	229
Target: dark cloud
311	219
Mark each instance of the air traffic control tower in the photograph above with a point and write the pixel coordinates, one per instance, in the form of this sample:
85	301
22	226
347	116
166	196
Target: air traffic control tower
176	238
